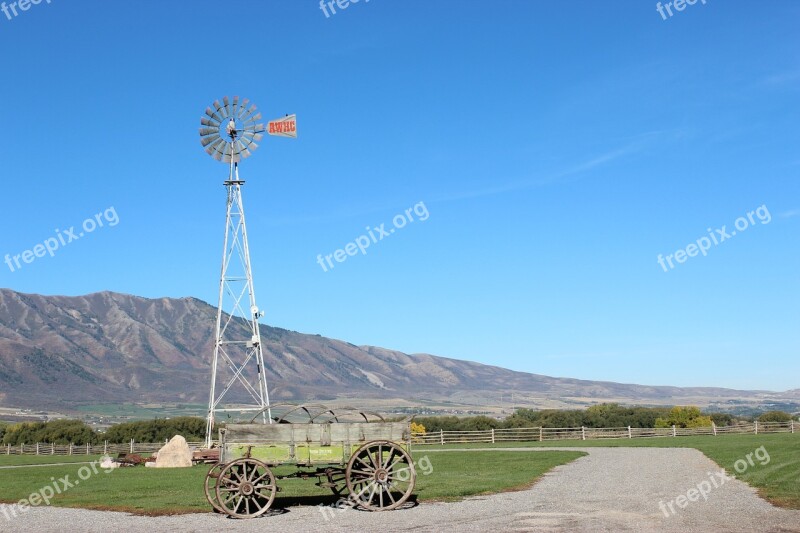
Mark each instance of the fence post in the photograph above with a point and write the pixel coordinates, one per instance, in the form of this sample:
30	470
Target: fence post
756	425
37	448
105	447
630	433
792	425
540	434
583	433
492	435
70	448
441	436
52	448
131	445
673	431
714	427
8	450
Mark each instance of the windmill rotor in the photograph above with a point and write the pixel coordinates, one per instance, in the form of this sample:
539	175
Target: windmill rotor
230	128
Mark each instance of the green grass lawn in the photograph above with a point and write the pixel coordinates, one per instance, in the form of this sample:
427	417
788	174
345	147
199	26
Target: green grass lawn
142	490
778	481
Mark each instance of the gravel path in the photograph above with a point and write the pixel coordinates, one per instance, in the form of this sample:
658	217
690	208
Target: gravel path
611	489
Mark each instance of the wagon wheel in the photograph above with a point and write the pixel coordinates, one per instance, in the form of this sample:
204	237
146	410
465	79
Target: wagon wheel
246	488
210	485
380	476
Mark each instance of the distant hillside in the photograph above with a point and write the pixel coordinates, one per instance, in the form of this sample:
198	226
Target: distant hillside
113	348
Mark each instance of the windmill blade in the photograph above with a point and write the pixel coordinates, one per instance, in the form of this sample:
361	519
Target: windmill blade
235	105
252	119
218	154
208	131
227	151
213	148
212	114
252	136
247	141
250	111
226	101
243	109
220	111
205	141
209	122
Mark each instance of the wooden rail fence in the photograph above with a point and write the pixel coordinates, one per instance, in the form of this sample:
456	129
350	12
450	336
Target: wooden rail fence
585	433
444	437
86	449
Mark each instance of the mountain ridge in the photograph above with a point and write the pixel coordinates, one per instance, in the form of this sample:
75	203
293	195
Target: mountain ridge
113	347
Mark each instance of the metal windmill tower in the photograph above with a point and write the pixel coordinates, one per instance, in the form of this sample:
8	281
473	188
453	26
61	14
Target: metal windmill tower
229	132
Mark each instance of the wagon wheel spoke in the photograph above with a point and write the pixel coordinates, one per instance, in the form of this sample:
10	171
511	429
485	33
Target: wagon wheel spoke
392	453
255	477
373	485
362	491
399	459
259	478
379	457
363	462
255	502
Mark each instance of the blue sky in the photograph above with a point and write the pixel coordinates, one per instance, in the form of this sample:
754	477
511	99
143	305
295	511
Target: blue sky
558	149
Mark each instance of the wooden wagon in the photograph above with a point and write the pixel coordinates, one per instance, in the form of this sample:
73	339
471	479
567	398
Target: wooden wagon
367	461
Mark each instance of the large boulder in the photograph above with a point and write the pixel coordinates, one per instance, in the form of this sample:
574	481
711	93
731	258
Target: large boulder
176	453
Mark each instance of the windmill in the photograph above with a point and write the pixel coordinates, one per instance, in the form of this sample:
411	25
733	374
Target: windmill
229	132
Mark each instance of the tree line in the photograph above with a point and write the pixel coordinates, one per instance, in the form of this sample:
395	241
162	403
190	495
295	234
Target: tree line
605	415
78	432
193	429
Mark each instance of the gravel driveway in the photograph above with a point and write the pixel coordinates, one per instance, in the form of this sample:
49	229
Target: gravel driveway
611	489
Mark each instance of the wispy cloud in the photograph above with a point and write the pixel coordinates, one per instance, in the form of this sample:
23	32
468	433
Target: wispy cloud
780	79
581	168
789	214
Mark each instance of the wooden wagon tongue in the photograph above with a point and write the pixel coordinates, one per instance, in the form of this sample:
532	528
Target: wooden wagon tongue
367	462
